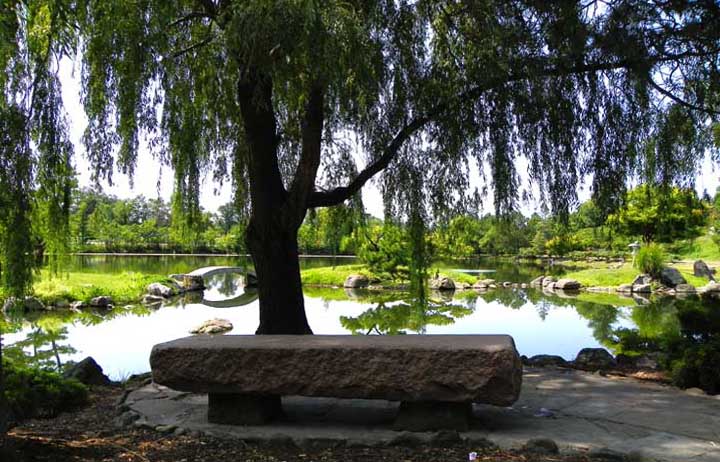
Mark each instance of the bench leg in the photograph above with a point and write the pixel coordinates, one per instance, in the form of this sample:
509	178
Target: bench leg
241	409
433	415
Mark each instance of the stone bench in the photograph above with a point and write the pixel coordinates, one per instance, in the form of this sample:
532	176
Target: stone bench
435	377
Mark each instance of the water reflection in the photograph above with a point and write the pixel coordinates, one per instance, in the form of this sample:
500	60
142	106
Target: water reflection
541	323
394	318
43	339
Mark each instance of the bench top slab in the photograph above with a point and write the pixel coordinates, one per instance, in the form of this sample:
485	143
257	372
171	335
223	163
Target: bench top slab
477	368
377	342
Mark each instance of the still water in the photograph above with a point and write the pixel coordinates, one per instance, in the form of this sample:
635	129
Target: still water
120	340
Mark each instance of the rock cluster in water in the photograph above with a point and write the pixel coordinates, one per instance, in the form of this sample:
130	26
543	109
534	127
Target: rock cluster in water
176	284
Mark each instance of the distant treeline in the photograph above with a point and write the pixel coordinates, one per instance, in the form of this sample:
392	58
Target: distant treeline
103	223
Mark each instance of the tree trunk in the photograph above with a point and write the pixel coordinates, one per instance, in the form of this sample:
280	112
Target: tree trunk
274	251
277	213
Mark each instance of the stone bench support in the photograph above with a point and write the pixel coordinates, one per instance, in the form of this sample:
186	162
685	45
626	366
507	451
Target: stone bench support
435	377
242	409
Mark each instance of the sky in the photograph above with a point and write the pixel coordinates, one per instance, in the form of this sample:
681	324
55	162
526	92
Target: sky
153	179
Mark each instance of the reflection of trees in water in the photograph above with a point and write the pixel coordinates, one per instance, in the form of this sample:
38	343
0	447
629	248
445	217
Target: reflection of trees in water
511	298
45	348
46	342
407	315
227	284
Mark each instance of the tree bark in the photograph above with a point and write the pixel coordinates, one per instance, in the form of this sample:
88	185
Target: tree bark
271	236
274	252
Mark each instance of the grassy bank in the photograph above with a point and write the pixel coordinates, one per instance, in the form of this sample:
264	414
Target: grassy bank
600	275
701	248
125	287
335	276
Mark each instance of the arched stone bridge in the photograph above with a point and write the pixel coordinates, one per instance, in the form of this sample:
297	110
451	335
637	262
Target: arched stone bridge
209	271
245	298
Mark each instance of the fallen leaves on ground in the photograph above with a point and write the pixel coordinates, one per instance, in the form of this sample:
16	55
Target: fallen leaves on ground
88	435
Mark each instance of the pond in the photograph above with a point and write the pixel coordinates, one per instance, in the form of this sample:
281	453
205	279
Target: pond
176	264
120	339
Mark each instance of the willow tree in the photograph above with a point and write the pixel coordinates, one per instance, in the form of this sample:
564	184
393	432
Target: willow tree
270	94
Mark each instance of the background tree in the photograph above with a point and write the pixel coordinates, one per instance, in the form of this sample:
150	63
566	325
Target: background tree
661	214
460	238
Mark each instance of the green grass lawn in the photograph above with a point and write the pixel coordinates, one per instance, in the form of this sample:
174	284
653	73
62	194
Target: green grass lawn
123	288
332	275
603	276
700	248
335	276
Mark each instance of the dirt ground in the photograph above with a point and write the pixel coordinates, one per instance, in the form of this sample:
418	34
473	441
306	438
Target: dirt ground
88	434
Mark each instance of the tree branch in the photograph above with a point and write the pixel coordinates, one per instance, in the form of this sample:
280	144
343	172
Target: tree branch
536	69
311	131
188	17
192	47
681	101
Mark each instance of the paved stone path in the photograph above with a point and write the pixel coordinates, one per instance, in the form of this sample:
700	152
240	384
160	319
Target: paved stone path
579	410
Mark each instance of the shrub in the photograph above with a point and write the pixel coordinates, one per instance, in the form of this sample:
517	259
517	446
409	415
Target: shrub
699	367
386	251
33	392
650	259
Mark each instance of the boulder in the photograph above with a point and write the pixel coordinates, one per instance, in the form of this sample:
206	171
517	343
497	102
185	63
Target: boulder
175	286
548	281
465	286
442	283
625	288
701	269
78	305
594	358
537	281
642	288
193	282
642	279
546	360
213	326
178	278
88	372
160	290
671	277
103	301
152	299
33	304
356	281
483	283
567	284
685	288
649	361
507	284
25	305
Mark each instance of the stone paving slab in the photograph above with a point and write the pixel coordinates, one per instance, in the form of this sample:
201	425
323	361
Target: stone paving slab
579	410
